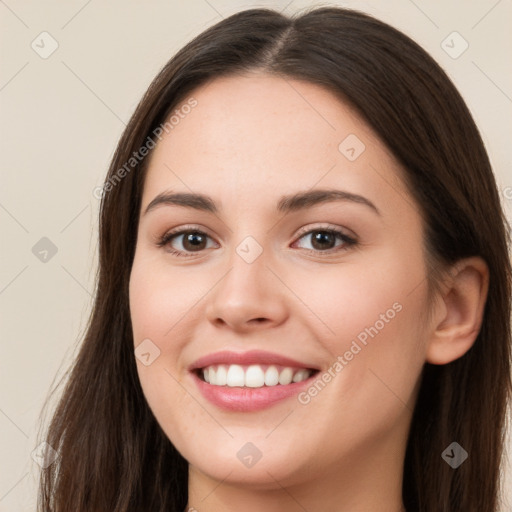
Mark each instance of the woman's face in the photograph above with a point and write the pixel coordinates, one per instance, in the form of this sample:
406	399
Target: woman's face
278	284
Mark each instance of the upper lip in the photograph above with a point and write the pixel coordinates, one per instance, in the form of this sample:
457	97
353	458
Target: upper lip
247	358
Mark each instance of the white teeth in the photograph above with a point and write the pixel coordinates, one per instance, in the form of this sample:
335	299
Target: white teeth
300	376
235	376
254	376
285	377
221	375
211	374
271	376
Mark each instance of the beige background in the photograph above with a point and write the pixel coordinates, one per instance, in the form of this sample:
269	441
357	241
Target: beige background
61	119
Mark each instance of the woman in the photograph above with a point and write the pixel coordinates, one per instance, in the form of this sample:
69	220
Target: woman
303	296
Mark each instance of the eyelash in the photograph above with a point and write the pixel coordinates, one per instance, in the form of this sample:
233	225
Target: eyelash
348	241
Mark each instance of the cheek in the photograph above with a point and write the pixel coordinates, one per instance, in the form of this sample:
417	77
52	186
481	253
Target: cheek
159	299
356	299
155	309
371	317
157	303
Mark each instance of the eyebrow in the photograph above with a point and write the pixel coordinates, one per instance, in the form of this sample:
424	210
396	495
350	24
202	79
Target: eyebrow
290	203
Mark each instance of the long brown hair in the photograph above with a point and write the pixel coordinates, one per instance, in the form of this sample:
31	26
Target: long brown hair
114	457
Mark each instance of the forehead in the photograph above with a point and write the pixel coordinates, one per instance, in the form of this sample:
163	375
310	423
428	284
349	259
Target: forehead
261	133
241	114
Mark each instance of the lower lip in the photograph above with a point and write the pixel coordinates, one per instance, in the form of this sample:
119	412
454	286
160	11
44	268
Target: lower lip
249	399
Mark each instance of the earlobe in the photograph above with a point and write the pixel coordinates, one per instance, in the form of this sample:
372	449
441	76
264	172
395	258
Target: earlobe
455	330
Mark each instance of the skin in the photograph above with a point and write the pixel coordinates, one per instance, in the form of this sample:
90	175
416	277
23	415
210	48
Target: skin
250	140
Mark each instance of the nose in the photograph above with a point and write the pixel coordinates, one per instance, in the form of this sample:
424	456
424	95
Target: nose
248	297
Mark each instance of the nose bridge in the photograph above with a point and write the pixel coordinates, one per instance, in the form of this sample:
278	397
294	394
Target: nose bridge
248	275
248	291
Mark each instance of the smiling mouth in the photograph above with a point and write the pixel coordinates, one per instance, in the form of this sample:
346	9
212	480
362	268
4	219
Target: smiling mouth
253	376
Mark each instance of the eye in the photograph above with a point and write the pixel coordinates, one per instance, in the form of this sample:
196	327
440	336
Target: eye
323	240
191	241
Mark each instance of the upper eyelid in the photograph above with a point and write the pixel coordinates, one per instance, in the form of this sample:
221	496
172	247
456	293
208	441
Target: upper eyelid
328	227
304	229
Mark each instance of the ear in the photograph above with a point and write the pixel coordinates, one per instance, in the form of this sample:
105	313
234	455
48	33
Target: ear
457	321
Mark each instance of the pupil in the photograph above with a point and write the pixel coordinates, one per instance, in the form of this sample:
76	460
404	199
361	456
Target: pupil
322	236
195	239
